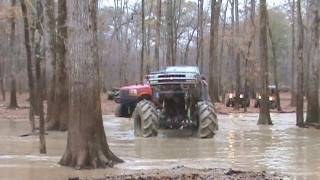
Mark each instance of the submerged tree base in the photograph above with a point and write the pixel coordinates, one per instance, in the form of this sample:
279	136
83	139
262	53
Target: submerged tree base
88	148
91	158
264	119
13	107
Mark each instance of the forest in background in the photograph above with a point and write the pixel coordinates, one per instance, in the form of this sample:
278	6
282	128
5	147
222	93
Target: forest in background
119	28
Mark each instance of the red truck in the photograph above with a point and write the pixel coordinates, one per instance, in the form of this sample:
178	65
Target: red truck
129	96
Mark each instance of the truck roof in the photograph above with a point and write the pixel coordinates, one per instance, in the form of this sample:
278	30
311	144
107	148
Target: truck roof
180	69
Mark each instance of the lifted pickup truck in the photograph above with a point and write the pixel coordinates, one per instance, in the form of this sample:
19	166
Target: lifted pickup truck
179	100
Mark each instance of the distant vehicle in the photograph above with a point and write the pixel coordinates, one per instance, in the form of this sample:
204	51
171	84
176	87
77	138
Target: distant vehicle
113	93
179	100
272	98
244	101
128	98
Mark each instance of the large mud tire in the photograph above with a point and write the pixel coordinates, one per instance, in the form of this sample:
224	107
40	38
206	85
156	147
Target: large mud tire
207	120
145	118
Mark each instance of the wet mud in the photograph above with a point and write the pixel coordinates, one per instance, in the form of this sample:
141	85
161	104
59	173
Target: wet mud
182	173
239	144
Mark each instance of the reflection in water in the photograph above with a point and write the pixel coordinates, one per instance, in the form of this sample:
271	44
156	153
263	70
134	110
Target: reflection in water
239	144
231	139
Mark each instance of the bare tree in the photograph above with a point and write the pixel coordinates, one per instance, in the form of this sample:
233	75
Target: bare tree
3	92
51	56
143	40
213	64
313	115
247	55
29	63
186	52
254	59
170	32
176	12
13	90
158	35
237	55
293	55
221	89
59	119
275	68
264	113
87	144
40	56
232	45
148	39
300	64
200	35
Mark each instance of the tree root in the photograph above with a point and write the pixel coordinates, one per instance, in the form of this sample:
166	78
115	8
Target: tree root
85	160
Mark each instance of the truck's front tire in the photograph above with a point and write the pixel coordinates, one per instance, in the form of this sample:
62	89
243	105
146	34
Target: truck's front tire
145	119
207	120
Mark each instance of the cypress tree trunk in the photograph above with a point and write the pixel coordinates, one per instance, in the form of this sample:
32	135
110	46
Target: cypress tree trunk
313	115
264	114
87	146
213	64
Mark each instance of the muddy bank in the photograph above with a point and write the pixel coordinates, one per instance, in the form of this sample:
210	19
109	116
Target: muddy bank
183	173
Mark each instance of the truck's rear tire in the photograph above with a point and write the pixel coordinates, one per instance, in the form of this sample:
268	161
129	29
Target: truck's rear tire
207	122
145	119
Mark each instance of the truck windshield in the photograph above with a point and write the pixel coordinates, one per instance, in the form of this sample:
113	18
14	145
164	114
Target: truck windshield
176	69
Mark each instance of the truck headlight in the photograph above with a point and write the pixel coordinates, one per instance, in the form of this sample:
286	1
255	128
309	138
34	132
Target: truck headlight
259	97
230	96
241	96
133	92
270	98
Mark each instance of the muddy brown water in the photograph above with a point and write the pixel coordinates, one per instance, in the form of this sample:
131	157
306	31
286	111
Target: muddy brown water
239	144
